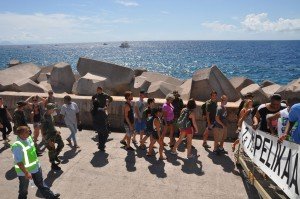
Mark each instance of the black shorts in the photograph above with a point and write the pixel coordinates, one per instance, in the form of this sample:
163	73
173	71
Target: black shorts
155	135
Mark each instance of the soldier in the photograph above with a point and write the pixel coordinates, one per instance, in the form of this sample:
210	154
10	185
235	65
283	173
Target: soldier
52	137
19	116
100	102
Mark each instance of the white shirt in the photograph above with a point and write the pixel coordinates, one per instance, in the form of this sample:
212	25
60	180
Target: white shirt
70	111
141	107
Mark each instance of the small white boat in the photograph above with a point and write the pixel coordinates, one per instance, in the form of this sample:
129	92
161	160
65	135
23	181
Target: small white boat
124	45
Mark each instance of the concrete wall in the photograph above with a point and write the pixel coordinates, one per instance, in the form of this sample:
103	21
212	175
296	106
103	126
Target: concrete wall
116	117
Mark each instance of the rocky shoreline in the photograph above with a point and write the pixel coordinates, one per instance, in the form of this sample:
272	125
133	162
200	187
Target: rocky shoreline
28	77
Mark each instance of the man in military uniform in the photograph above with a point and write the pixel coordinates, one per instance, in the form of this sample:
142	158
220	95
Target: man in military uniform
52	137
100	102
19	116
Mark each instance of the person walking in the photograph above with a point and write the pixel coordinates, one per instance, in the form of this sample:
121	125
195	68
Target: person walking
146	114
27	165
128	121
100	103
187	126
19	118
52	137
70	114
5	126
168	116
139	120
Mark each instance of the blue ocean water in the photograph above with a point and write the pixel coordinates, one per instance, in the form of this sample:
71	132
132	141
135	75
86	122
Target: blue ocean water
278	61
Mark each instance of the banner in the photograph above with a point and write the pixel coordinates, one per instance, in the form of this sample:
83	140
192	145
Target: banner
280	161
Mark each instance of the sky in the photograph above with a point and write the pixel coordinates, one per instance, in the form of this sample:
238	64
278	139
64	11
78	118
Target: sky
75	21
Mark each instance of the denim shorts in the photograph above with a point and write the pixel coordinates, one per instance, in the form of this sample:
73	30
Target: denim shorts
139	126
127	130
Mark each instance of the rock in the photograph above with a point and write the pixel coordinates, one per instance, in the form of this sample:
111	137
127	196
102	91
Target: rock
259	94
160	89
121	78
18	73
206	80
240	82
43	77
266	83
140	83
185	89
62	78
46	85
270	90
291	90
139	71
13	62
28	85
87	85
47	69
154	77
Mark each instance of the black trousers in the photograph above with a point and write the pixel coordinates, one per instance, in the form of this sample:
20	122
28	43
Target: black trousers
102	139
6	130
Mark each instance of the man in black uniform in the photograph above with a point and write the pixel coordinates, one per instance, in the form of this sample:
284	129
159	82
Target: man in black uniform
100	102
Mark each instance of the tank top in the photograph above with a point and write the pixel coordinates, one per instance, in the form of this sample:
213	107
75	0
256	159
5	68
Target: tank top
37	115
130	114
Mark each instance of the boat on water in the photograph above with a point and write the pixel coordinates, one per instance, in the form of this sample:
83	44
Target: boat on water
124	45
105	44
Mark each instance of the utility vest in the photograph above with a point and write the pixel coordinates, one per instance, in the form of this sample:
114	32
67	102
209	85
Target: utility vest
30	159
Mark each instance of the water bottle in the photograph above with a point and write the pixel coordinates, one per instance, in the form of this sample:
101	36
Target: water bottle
31	183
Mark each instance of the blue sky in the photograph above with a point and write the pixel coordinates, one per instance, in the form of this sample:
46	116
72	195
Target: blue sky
142	20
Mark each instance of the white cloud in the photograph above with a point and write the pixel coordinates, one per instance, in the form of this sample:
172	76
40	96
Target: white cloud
47	28
261	23
164	12
217	26
128	3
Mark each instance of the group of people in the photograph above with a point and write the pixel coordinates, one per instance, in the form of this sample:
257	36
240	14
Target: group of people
42	112
146	118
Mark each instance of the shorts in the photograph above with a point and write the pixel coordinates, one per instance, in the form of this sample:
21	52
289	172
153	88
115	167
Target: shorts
37	125
148	133
139	126
188	131
129	133
155	135
220	134
168	123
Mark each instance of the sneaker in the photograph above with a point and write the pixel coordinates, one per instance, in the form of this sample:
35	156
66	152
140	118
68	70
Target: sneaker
222	150
76	146
57	160
69	141
55	167
205	145
129	148
216	152
191	156
57	195
123	142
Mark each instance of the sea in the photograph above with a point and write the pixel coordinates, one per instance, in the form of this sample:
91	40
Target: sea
277	61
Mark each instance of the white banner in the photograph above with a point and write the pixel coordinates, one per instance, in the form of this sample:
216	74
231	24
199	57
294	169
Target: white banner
279	161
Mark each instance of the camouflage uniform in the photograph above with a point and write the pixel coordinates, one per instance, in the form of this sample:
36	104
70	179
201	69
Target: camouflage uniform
19	119
51	136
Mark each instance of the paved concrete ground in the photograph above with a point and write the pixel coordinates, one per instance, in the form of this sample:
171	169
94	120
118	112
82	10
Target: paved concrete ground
88	173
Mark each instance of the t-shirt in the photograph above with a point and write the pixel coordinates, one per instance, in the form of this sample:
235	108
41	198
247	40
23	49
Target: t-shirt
264	111
211	107
222	113
294	116
141	107
178	106
168	108
3	114
70	111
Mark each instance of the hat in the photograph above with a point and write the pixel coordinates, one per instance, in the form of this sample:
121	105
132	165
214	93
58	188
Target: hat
176	94
249	94
21	103
50	106
170	96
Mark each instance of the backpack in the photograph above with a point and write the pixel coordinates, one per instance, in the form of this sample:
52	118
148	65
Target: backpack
203	108
184	121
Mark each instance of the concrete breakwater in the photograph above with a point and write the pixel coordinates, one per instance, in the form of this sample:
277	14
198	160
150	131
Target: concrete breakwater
116	116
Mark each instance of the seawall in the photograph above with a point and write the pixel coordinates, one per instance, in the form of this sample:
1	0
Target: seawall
116	116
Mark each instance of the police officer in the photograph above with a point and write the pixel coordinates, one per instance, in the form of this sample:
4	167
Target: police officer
52	136
100	102
27	165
